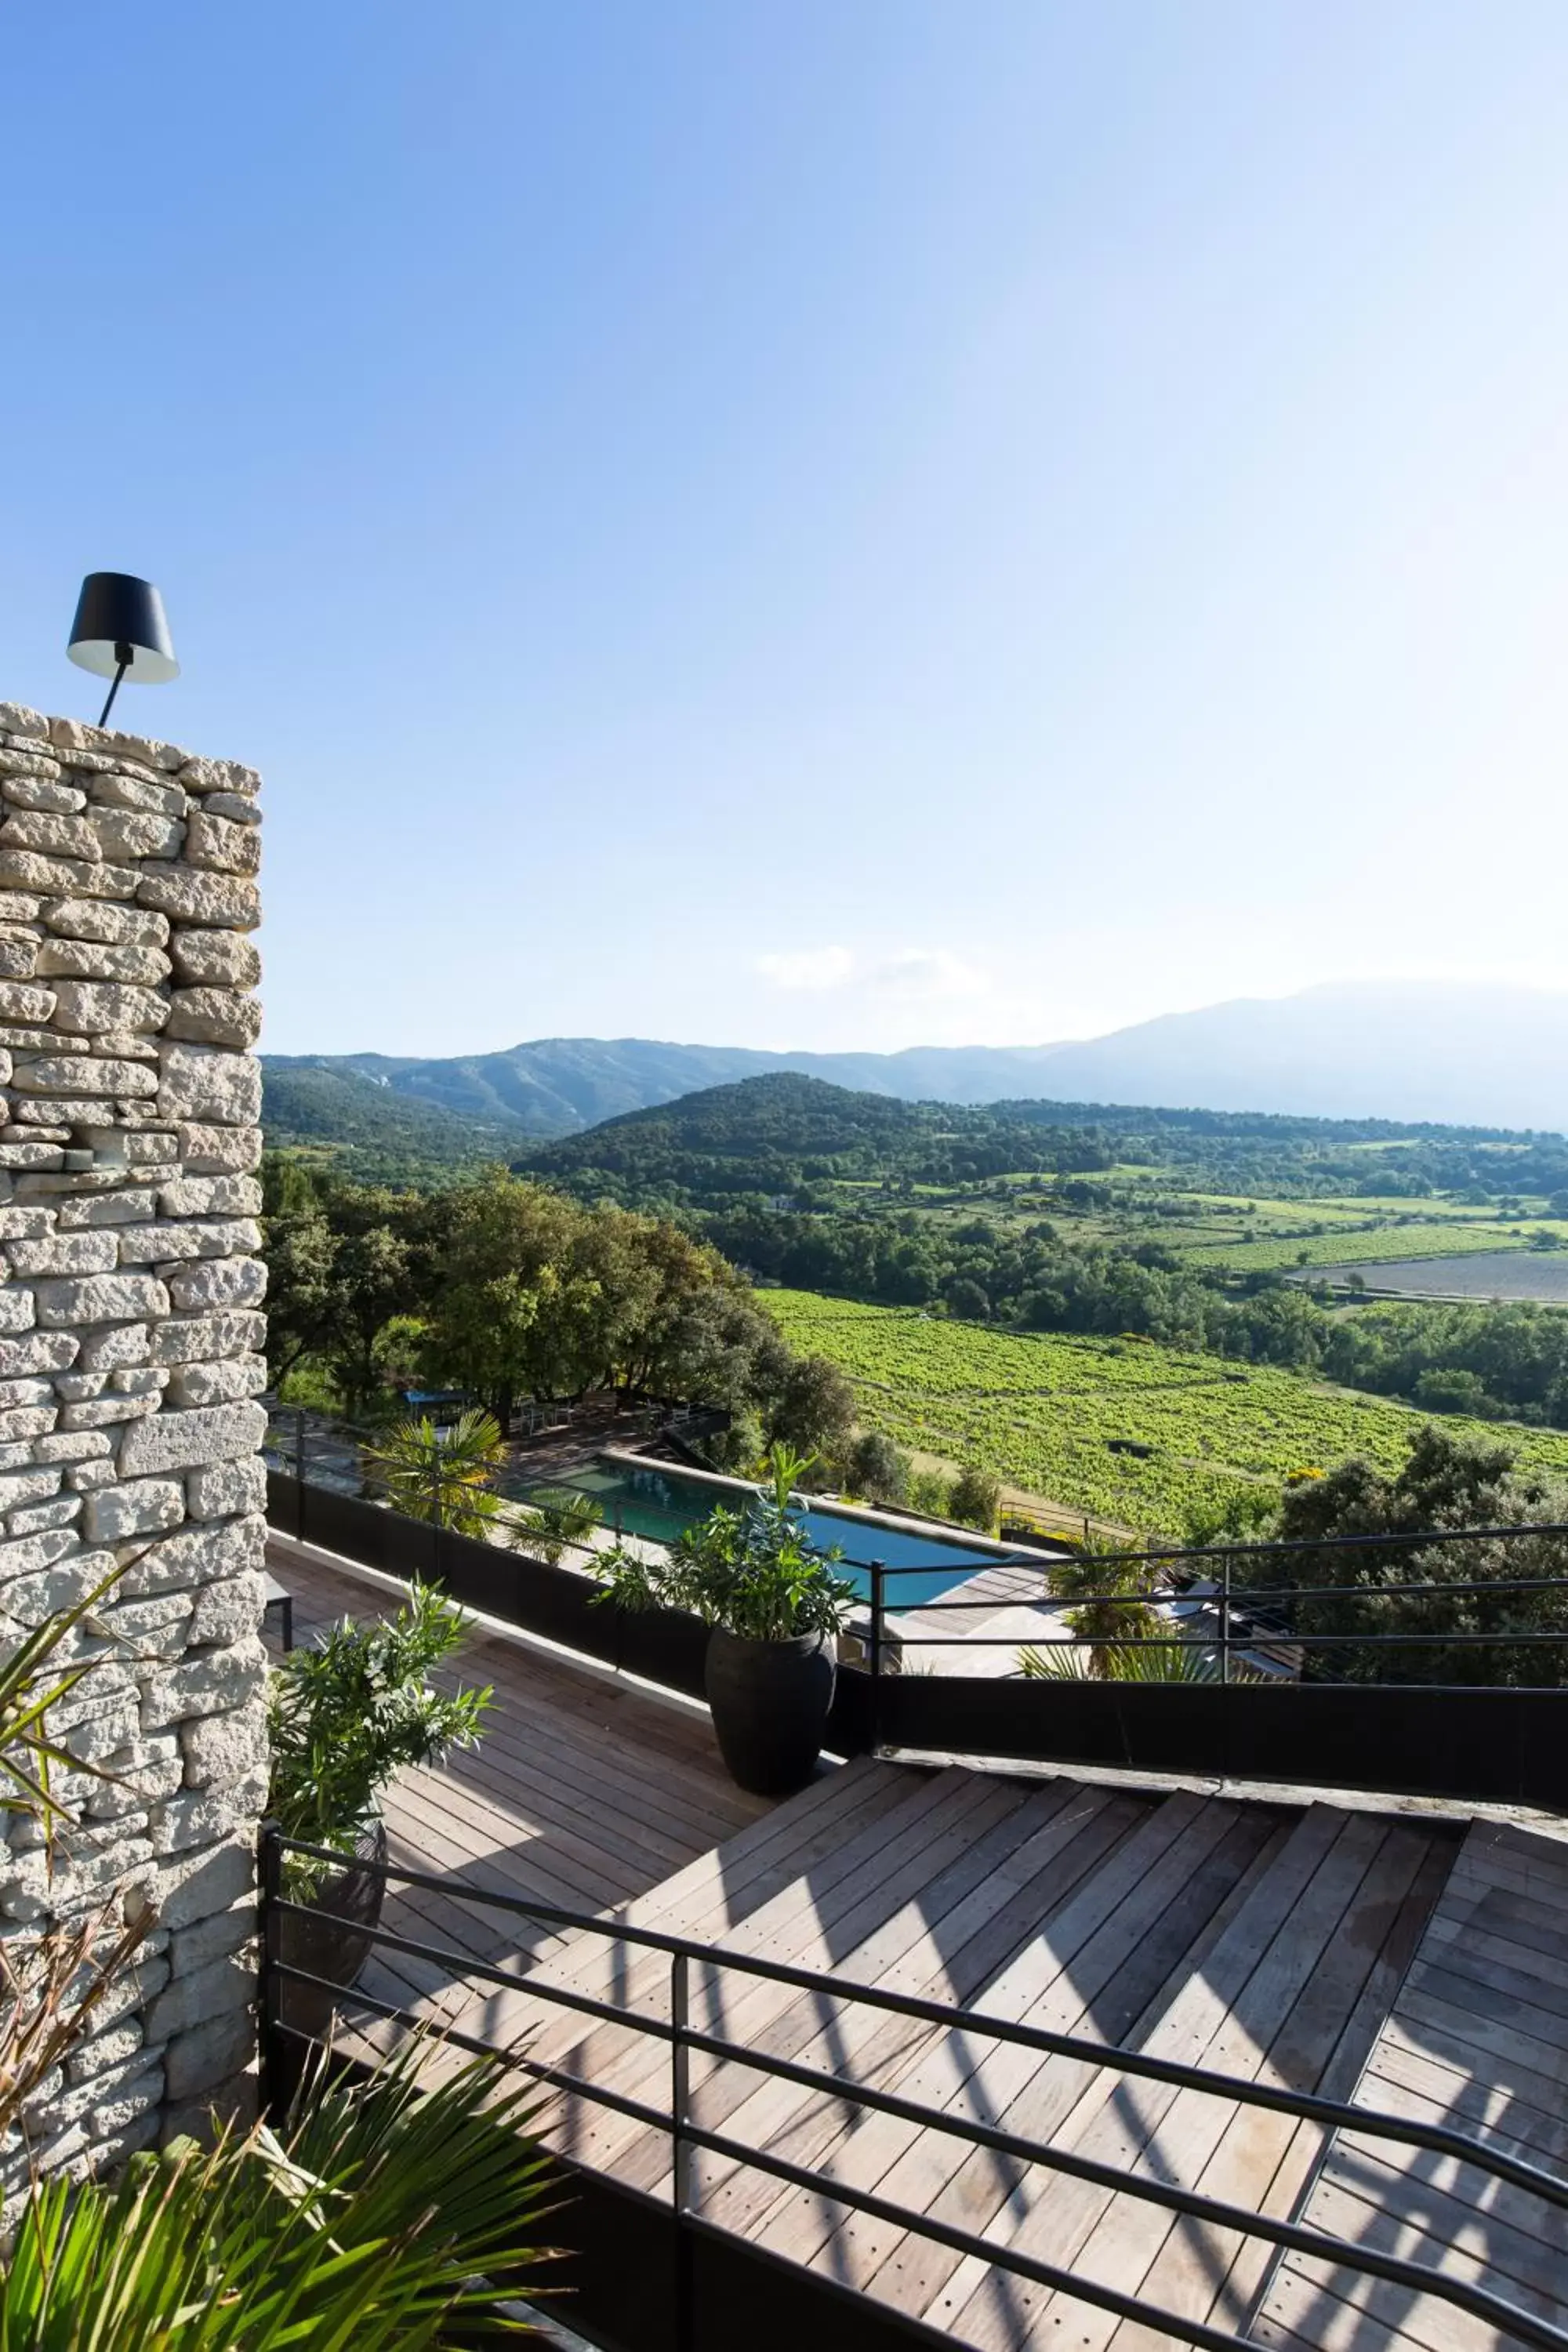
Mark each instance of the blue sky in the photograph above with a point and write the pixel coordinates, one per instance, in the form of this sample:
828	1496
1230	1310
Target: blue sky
817	523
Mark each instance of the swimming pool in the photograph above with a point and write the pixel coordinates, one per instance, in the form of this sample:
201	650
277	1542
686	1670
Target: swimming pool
660	1504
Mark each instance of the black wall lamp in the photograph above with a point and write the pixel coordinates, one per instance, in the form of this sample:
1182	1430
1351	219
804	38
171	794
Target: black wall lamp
120	628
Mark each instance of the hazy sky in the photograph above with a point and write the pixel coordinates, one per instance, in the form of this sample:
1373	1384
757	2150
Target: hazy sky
817	523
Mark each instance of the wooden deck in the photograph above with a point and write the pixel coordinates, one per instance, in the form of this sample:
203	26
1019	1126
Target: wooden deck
1300	1944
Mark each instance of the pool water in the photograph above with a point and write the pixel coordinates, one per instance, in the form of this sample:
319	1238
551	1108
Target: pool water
660	1504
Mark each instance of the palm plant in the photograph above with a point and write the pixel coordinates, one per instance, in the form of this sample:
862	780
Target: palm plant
557	1519
1107	1592
351	1709
442	1476
395	2211
1111	1661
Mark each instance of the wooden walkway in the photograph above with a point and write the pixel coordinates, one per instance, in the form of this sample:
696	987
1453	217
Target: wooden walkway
1476	2037
1303	1945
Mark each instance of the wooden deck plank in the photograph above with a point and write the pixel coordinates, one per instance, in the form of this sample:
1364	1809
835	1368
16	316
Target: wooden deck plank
1052	1984
1477	2041
1264	2160
1265	1956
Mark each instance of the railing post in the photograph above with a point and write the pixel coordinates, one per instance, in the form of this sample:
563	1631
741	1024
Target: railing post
436	1508
680	2150
878	1575
269	1855
300	1473
1224	1619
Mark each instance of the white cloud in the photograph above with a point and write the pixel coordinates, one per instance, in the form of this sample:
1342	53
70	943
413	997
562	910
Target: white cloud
927	976
808	968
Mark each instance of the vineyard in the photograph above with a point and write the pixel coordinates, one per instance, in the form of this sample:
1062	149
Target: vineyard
1342	1246
1060	1417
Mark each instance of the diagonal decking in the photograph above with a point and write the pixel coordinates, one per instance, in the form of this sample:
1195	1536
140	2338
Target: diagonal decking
1303	1945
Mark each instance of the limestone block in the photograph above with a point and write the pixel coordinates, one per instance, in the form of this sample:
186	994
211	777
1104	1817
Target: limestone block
19	1001
86	1477
30	1554
196	1816
182	1441
30	1392
59	1074
218	776
215	959
137	1509
225	1931
220	1748
195	2063
29	869
112	2048
212	841
201	1883
189	1237
33	1518
207	1196
221	1489
139	1379
73	735
228	1612
94	959
217	1151
25	1224
18	954
25	1421
19	907
188	1338
37	1351
83	1253
127	1207
216	1383
115	1349
20	719
99	1298
220	1988
56	835
84	919
125	833
117	790
206	1682
146	1152
106	1412
26	1486
208	1083
93	1006
71	1446
41	792
18	1040
221	901
230	804
44	1112
211	1282
16	1308
218	1016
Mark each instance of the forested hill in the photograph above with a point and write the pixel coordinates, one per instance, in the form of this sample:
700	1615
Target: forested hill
784	1135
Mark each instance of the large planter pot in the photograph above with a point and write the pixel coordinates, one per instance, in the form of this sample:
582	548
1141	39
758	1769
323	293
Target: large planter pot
332	1941
770	1703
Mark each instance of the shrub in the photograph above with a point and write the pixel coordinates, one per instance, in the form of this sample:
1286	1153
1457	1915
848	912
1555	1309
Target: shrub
975	1500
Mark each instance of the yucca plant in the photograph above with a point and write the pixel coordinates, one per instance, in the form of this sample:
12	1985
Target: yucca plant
443	1475
33	1678
393	2211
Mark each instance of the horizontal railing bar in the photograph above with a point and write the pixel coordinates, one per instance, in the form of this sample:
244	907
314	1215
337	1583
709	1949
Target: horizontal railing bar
1175	1640
1496	2309
1515	1530
1269	1594
1370	2122
557	2077
1316	2243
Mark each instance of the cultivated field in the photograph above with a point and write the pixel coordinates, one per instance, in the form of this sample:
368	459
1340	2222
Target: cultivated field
1051	1414
1537	1276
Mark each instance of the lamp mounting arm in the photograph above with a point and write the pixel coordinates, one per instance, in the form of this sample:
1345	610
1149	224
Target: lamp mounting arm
124	655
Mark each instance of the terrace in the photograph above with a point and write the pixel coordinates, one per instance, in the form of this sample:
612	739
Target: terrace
1080	2046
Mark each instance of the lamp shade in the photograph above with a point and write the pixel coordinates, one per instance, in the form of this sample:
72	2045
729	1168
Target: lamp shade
119	621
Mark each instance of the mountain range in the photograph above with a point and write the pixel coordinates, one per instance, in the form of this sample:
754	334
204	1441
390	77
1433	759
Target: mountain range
1456	1053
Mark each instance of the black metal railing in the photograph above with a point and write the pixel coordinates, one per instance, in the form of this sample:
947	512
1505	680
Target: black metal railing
687	2138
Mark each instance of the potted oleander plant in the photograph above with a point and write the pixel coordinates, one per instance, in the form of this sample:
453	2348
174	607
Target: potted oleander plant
775	1608
348	1712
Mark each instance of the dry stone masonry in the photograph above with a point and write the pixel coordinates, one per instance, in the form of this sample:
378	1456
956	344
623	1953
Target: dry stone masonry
130	1358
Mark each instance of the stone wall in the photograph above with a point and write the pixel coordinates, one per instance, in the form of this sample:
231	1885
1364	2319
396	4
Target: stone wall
131	1356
